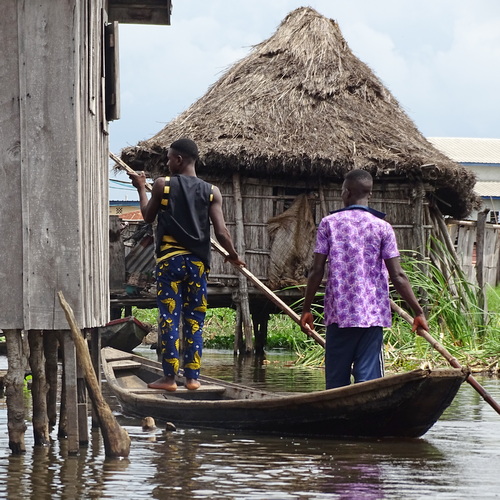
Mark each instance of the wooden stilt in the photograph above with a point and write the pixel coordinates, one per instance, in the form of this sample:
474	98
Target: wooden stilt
14	382
480	240
81	406
238	331
39	388
63	416
260	322
116	440
70	394
50	350
243	302
95	354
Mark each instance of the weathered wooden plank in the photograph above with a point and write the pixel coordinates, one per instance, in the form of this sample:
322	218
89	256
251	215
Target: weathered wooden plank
11	297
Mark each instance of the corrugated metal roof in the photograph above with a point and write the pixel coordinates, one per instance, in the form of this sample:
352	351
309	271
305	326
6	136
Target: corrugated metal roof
488	189
469	150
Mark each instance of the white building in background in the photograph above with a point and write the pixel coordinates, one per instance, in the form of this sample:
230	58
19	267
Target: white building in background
483	157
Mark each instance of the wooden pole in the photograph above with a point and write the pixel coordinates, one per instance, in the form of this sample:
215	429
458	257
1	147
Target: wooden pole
50	345
243	302
116	440
125	167
14	382
480	237
39	388
68	420
446	354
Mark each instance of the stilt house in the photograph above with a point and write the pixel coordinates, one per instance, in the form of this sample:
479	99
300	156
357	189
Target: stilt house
278	132
58	92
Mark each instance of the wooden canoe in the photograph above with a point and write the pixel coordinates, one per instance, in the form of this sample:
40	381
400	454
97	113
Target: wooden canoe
404	405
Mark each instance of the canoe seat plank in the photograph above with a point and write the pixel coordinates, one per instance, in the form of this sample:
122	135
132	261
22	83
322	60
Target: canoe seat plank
115	355
215	389
212	389
125	364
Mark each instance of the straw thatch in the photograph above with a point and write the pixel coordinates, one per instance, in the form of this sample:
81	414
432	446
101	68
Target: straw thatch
302	105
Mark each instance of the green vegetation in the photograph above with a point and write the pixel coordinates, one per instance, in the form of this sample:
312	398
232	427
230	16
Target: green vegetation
283	333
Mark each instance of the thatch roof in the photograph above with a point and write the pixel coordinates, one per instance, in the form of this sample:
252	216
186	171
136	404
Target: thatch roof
301	105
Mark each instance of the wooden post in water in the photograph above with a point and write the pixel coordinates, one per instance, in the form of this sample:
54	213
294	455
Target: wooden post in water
50	348
116	440
14	383
39	388
69	417
62	432
95	353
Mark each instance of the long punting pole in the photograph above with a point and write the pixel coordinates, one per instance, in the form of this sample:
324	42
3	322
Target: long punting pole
446	354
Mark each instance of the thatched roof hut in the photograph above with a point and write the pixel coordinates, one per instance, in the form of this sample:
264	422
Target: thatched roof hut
301	105
281	128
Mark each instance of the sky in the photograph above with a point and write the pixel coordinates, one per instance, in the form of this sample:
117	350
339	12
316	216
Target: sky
439	58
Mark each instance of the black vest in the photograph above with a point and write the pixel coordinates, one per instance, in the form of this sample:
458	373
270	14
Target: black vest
184	215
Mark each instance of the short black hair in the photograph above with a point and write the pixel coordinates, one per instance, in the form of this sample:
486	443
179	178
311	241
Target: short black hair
358	175
186	146
359	182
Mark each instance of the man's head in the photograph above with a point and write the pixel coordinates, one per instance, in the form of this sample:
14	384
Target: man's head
357	187
181	154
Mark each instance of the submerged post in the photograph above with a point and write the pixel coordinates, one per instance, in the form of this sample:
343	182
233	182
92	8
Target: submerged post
116	439
14	382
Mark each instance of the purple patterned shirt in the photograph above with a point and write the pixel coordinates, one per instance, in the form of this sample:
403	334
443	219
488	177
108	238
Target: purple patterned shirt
357	287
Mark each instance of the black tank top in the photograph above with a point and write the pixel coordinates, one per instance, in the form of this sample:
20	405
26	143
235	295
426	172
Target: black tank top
183	219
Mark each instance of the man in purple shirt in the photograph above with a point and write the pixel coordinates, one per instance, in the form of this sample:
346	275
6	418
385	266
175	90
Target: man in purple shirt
362	253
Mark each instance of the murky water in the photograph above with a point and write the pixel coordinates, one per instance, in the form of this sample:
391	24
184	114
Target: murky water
458	458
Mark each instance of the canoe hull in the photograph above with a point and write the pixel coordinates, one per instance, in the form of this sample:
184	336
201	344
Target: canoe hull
405	405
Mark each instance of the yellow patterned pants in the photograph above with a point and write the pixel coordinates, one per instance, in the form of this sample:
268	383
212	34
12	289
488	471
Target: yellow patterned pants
182	293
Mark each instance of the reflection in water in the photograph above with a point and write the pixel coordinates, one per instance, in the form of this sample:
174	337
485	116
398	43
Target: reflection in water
456	459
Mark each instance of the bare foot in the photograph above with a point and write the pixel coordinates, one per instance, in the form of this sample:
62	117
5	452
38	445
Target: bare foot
192	384
166	383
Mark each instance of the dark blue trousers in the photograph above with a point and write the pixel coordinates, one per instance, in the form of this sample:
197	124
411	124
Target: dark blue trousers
353	351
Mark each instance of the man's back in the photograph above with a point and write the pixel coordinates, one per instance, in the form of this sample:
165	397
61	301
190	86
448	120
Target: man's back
356	244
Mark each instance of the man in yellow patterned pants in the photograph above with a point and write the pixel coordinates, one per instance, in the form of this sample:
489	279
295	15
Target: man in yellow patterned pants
184	205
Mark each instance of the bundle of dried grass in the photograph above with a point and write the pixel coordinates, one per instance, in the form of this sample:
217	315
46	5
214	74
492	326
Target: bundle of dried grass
301	104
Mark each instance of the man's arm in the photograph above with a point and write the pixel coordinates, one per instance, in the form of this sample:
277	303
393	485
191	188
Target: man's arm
403	287
220	229
313	282
151	206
